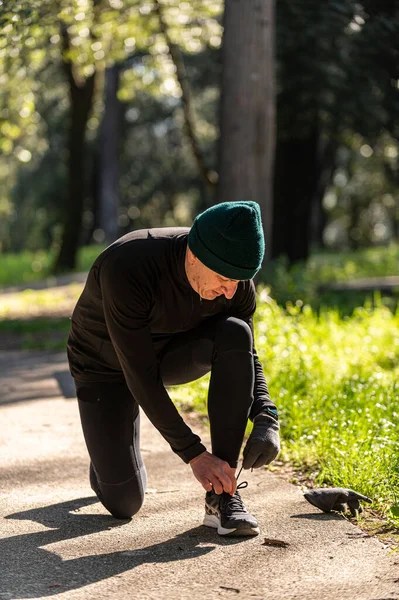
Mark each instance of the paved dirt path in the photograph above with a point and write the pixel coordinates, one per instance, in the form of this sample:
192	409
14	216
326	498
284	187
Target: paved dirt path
57	541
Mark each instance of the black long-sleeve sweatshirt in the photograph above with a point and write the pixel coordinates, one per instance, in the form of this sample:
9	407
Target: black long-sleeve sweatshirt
137	296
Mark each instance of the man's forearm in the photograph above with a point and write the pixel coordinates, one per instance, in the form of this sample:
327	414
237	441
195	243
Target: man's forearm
262	401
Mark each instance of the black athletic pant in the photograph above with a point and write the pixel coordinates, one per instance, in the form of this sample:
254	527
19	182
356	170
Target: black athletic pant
110	415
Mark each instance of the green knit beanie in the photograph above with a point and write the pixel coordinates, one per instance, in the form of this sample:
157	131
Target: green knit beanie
228	238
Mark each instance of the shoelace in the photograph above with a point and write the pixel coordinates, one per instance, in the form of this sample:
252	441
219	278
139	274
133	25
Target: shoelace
238	477
234	503
243	484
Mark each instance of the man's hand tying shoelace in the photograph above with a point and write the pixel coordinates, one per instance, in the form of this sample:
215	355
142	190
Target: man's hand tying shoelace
214	473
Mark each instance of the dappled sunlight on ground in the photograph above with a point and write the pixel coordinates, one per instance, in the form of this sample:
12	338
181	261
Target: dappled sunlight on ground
54	302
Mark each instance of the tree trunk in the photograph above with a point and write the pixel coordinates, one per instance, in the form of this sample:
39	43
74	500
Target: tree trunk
81	98
326	168
247	106
296	180
109	156
392	176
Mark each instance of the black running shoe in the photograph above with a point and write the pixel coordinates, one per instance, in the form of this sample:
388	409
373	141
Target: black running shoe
228	514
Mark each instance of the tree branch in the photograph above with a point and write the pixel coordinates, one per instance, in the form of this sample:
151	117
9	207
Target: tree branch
210	177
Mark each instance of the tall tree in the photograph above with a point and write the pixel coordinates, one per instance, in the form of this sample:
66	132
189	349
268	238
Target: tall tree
109	156
81	92
247	106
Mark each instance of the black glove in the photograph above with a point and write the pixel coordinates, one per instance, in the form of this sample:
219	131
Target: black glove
263	444
339	499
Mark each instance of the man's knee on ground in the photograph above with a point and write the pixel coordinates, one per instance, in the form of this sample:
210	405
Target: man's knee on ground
125	505
234	334
122	501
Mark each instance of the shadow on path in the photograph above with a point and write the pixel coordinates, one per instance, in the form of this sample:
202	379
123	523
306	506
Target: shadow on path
30	571
333	516
34	375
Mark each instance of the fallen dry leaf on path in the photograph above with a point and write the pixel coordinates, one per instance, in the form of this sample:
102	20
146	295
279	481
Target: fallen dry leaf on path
276	543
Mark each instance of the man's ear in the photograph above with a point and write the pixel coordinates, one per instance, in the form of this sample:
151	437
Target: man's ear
192	259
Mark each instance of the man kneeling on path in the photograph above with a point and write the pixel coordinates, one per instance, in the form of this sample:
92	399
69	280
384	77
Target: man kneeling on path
163	307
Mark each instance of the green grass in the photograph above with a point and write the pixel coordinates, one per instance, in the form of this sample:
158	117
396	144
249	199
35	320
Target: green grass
37	333
25	267
302	281
366	262
335	381
38	319
49	302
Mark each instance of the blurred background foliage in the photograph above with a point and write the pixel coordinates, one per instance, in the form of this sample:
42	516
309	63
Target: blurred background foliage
99	81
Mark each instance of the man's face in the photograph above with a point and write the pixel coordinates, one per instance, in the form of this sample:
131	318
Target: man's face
207	283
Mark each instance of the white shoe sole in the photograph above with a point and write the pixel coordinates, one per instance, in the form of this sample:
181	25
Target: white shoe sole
243	530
